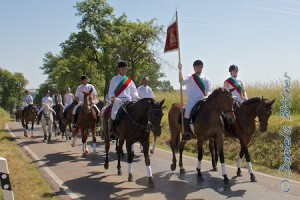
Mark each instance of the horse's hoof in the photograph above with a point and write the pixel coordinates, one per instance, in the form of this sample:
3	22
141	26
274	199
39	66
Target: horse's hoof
119	172
252	178
25	135
226	180
215	169
151	182
86	151
151	151
122	154
173	167
106	166
199	174
32	136
73	144
130	178
69	138
239	172
182	171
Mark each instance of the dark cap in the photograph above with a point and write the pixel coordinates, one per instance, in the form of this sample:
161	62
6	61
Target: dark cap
26	91
83	77
198	63
122	63
47	91
233	67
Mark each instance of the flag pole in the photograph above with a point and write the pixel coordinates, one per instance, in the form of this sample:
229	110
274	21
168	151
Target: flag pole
180	74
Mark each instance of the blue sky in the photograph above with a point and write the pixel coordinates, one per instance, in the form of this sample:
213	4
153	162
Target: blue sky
261	36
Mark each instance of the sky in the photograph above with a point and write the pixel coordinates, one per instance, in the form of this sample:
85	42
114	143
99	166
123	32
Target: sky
262	37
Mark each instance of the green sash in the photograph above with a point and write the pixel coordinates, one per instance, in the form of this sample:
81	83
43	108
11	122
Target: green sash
235	85
122	85
199	83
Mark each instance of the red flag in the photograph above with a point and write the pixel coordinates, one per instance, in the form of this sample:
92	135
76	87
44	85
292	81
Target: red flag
172	38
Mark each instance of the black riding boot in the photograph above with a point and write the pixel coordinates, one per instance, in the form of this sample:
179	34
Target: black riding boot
75	121
39	118
187	129
112	130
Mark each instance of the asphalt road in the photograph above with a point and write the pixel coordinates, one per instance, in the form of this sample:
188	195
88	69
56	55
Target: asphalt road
75	177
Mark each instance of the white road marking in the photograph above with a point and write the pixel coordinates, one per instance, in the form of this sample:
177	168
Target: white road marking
42	165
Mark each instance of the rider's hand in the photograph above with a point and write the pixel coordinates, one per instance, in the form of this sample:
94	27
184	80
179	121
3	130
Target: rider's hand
246	98
113	98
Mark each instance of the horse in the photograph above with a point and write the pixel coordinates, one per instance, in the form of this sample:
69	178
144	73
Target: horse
58	109
208	124
156	115
18	114
244	128
86	120
133	127
67	120
47	120
29	114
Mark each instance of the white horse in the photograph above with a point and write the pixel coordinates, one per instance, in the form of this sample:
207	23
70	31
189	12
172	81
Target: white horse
47	120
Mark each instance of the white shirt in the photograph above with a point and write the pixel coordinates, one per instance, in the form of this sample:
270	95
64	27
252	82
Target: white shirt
47	100
193	92
145	92
86	88
59	99
68	98
235	92
28	99
130	93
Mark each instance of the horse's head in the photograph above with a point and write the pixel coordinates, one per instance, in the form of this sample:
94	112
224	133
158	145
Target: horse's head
87	103
156	115
264	111
226	104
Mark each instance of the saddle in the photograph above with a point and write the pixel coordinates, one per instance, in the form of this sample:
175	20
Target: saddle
195	110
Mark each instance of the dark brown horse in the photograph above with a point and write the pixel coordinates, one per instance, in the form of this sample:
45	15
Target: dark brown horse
208	124
68	119
100	104
58	108
18	114
244	128
133	127
29	115
86	120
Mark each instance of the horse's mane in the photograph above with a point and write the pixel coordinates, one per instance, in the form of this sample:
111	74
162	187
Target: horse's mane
252	101
214	94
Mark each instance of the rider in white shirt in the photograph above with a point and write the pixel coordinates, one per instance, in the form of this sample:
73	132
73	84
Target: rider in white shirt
28	100
198	87
57	99
79	97
144	90
68	100
239	93
121	89
45	100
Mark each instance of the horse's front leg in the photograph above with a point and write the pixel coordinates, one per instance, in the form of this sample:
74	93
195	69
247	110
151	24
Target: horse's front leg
154	145
212	153
175	138
26	129
181	148
219	143
119	146
200	156
49	131
32	128
74	134
239	162
94	140
84	134
146	145
129	160
249	165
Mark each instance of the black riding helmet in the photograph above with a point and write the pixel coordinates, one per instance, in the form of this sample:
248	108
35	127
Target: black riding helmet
233	67
198	63
122	63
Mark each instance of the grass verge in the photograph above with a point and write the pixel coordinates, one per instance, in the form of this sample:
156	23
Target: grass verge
27	182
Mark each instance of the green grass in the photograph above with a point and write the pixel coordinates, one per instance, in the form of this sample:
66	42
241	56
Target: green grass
27	183
265	151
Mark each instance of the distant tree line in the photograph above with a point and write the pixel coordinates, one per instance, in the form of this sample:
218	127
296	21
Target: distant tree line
11	89
102	40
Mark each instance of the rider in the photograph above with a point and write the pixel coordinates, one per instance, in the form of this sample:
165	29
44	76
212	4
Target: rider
121	89
68	100
198	87
79	97
45	100
144	90
28	101
236	83
56	98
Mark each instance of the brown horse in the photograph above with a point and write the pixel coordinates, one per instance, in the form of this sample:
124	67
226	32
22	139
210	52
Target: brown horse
100	104
29	115
86	120
67	120
208	124
133	127
18	114
244	128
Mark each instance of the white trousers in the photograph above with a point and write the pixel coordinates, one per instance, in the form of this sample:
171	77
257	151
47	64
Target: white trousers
79	104
189	106
116	106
